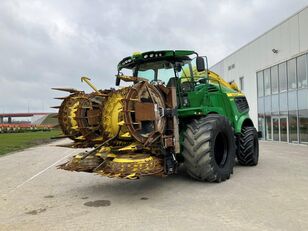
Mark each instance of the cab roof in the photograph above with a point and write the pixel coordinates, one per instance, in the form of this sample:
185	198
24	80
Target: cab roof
152	56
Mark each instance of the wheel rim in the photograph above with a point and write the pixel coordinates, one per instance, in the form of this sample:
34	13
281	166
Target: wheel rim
220	150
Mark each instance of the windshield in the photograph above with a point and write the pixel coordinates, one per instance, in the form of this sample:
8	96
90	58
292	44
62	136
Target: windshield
164	70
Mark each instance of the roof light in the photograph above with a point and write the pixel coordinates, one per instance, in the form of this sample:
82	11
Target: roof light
136	54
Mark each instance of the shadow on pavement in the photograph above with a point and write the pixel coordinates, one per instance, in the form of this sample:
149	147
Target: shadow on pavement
151	186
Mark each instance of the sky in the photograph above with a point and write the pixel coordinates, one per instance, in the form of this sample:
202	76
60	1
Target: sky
45	44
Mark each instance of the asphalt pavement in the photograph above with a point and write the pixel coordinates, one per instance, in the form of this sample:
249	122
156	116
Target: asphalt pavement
35	195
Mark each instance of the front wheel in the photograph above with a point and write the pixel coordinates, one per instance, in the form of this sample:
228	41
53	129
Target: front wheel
209	149
248	148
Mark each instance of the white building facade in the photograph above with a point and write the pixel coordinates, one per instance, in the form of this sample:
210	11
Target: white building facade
272	71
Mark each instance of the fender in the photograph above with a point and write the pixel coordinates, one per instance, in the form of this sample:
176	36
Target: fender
244	120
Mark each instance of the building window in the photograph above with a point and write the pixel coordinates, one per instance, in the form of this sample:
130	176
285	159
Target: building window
267	81
274	79
282	70
231	67
301	71
242	83
292	74
282	100
260	83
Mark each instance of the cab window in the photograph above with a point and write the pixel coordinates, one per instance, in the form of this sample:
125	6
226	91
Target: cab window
147	74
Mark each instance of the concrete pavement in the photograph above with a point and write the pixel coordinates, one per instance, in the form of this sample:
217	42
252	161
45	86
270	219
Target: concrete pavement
34	195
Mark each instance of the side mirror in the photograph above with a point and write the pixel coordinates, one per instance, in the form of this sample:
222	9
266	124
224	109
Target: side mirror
117	81
200	64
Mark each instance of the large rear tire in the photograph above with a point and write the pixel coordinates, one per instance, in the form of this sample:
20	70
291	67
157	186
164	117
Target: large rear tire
248	148
209	149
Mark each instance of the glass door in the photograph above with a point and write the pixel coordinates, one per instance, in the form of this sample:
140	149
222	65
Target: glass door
280	128
275	128
268	127
284	129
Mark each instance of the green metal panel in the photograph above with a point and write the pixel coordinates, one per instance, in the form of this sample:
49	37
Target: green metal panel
202	102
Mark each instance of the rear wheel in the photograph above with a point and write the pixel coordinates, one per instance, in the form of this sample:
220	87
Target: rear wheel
209	148
248	148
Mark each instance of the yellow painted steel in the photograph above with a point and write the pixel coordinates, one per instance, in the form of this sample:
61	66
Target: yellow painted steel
120	156
130	166
105	149
78	156
131	147
234	86
131	176
120	159
111	155
235	94
113	118
72	116
216	78
87	80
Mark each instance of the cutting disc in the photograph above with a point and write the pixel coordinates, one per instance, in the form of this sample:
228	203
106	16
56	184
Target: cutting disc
131	166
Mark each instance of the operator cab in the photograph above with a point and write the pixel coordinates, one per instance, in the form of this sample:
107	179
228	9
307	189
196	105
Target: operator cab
158	67
184	70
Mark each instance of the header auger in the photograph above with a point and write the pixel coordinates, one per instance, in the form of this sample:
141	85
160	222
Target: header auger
175	111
